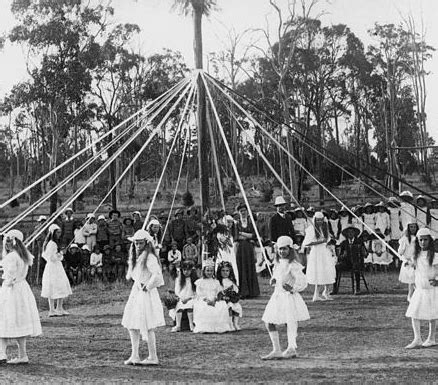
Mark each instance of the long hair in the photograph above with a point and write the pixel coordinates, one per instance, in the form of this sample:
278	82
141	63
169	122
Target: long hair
21	250
430	251
51	237
183	279
232	276
292	255
408	234
133	257
321	231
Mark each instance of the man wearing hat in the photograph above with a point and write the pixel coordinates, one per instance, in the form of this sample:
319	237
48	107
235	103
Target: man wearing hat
177	229
68	226
281	223
115	228
351	257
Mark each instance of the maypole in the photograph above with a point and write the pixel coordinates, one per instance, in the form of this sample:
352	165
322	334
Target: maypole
199	8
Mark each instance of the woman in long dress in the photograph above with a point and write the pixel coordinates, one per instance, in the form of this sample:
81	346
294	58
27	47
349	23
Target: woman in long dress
245	257
320	262
143	312
19	316
55	284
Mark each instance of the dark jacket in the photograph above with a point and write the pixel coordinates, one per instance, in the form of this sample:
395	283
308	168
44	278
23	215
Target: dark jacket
281	226
351	256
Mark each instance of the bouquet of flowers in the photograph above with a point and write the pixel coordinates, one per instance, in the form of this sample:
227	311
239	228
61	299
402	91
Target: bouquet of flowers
170	299
229	295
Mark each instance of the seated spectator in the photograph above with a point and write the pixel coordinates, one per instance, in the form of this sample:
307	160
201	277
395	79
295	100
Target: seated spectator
73	264
86	252
115	228
96	263
108	264
128	231
190	251
120	258
174	258
102	232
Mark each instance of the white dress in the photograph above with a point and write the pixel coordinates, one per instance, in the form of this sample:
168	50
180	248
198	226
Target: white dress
381	256
90	233
184	293
144	310
383	223
422	216
434	222
55	284
207	318
406	250
424	301
370	221
394	220
407	214
19	313
236	307
320	262
284	307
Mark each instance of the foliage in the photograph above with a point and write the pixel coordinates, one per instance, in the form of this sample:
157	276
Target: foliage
187	199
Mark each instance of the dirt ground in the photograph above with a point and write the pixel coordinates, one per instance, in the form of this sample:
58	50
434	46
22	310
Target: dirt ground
351	339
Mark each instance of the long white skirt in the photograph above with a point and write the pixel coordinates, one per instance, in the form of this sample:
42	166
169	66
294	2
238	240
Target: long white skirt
55	284
211	319
143	311
407	274
321	268
284	307
19	315
424	304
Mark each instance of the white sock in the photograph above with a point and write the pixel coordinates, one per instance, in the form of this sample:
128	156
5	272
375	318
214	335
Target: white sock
292	329
135	342
275	339
417	330
152	346
3	347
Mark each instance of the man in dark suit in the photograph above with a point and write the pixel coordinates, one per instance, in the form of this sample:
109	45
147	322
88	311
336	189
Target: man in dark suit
281	222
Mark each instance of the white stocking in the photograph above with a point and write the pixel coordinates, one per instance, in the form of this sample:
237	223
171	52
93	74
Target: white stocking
135	343
292	329
432	330
3	346
152	346
275	339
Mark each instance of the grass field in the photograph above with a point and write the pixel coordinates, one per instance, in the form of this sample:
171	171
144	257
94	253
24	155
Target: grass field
352	339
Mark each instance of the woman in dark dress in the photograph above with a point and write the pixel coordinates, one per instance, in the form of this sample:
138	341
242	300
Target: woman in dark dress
245	258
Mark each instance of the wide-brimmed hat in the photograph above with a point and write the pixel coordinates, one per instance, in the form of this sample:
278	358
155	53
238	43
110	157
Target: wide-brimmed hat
101	217
74	245
407	194
68	209
424	231
114	212
368	205
421	197
310	209
284	241
279	201
127	219
319	215
90	215
153	222
53	227
351	227
86	247
137	212
16	234
42	218
434	203
299	209
393	201
141	235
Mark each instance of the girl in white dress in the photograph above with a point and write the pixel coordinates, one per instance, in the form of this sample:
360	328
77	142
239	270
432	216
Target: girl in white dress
55	284
286	306
230	292
210	315
226	250
320	262
433	218
424	301
143	312
19	316
185	290
406	250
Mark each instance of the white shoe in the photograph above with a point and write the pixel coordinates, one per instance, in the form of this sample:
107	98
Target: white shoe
18	361
54	313
414	344
318	298
132	361
150	362
272	356
289	353
175	329
327	297
428	343
63	312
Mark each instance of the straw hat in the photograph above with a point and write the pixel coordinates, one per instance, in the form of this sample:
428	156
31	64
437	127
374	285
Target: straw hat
141	235
284	241
279	201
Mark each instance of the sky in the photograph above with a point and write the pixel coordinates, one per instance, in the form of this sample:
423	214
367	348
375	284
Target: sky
164	28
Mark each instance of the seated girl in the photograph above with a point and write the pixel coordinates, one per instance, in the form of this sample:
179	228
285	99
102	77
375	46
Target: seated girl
185	291
230	292
210	315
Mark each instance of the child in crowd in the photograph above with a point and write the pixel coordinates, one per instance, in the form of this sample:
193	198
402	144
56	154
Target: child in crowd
300	221
55	284
115	228
334	225
345	218
393	207
90	231
209	314
286	305
96	263
320	263
422	211
225	248
137	221
407	209
86	253
128	231
79	238
406	250
369	216
190	251
108	263
73	264
174	258
381	256
230	292
102	232
120	262
185	290
424	302
368	260
383	222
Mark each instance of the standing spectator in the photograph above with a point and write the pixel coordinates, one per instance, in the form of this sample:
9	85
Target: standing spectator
383	222
137	221
90	231
422	211
190	251
334	224
369	216
300	221
191	224
86	255
79	238
433	213
68	227
154	230
177	229
108	265
96	263
120	262
115	228
281	223
128	231
102	232
393	206
245	258
407	209
174	258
